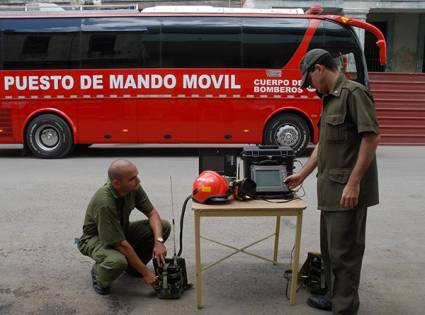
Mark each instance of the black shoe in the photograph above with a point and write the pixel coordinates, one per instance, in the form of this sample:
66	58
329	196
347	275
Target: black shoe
99	289
320	302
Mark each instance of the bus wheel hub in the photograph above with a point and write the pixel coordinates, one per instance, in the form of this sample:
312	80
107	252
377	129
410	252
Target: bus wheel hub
287	135
48	138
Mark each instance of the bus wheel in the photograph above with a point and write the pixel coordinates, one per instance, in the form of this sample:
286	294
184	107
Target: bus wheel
289	130
49	137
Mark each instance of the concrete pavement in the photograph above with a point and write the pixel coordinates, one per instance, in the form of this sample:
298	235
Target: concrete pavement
42	205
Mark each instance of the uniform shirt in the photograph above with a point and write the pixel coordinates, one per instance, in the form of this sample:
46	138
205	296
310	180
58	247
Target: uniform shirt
108	216
348	111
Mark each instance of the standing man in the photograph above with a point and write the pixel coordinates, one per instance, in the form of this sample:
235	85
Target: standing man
115	243
347	180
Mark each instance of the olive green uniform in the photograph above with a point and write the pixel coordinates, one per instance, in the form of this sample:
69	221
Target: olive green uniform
348	111
107	222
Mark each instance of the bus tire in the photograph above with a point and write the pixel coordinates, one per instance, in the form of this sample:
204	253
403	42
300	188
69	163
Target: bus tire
49	137
288	129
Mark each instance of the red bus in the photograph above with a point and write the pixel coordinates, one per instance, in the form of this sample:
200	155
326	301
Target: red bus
210	76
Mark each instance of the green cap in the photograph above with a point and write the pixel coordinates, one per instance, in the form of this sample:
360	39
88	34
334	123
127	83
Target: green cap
309	60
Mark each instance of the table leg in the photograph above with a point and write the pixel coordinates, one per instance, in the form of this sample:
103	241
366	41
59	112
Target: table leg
198	274
295	262
276	240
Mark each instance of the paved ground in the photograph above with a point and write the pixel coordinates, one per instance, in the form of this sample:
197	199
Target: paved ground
42	204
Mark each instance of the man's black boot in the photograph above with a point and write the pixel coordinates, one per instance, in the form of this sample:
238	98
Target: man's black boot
96	286
320	302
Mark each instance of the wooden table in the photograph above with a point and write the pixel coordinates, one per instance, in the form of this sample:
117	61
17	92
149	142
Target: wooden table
254	208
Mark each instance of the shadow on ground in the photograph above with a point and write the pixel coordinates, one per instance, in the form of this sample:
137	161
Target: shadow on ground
96	152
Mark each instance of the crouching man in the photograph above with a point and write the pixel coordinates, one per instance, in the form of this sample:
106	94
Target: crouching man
115	243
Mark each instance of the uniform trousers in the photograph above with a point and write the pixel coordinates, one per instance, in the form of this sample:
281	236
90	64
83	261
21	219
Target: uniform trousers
110	263
342	242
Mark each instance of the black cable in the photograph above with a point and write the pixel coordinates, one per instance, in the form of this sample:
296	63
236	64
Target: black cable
300	187
280	201
297	190
288	276
292	253
181	223
299	162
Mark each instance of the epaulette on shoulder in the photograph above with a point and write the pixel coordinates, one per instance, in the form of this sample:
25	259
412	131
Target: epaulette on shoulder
354	85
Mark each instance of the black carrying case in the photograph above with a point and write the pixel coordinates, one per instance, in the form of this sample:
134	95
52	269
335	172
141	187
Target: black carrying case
267	155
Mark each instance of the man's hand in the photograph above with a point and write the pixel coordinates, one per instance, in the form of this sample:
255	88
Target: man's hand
293	181
149	277
297	179
159	253
350	196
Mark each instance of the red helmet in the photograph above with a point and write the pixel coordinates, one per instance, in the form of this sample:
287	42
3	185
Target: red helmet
210	187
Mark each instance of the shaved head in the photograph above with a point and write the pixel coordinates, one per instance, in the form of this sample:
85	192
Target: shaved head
118	168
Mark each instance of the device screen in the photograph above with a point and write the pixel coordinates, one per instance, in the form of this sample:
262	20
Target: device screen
268	178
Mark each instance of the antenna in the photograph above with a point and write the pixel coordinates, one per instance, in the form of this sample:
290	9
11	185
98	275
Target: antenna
174	224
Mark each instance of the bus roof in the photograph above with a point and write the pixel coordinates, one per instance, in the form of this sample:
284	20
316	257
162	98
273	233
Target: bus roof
49	10
52	8
211	9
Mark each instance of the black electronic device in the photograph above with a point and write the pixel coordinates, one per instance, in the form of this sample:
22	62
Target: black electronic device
269	178
268	166
172	276
312	274
244	189
222	161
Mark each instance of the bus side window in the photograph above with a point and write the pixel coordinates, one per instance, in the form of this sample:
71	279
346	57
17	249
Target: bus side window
150	50
187	43
340	41
113	50
36	43
101	45
347	65
271	42
120	43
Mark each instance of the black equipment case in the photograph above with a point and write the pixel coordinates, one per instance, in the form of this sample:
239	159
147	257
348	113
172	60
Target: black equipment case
267	155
